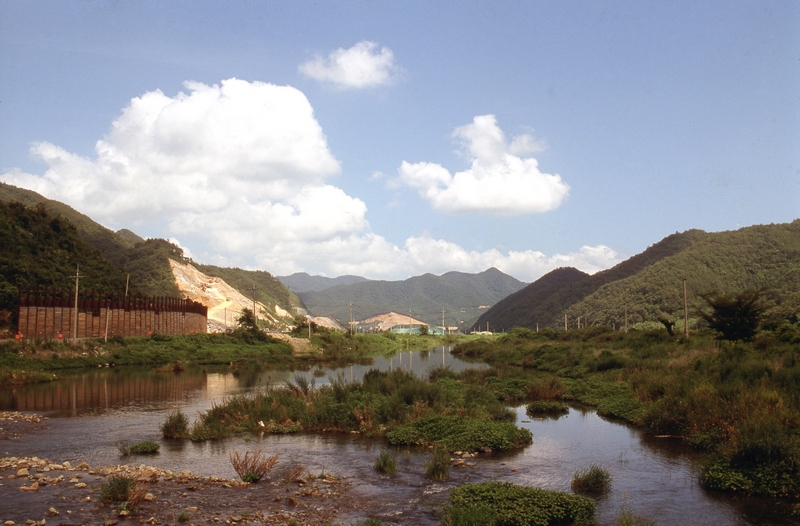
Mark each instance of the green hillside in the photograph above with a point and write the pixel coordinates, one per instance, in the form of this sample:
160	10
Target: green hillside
147	260
756	257
463	297
516	309
650	285
545	305
43	249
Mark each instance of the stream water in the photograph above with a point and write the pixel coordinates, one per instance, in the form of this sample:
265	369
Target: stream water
91	412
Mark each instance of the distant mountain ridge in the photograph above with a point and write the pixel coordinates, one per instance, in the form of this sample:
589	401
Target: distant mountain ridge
461	295
648	286
304	282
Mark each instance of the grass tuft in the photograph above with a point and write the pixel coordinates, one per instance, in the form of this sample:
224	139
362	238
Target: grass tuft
593	479
438	466
386	462
253	466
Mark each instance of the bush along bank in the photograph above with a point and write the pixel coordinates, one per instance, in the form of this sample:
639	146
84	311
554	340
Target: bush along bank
447	411
738	403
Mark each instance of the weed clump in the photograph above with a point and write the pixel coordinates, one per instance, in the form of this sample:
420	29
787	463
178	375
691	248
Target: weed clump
253	466
460	434
386	462
546	409
593	479
117	488
507	503
175	426
147	447
438	466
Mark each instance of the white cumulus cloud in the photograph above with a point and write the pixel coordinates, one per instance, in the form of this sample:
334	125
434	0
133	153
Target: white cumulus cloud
499	181
238	172
365	65
238	165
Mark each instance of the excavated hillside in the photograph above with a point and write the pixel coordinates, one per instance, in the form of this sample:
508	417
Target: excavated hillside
224	302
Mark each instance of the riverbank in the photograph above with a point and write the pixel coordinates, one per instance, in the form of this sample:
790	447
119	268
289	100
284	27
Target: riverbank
43	491
41	360
737	404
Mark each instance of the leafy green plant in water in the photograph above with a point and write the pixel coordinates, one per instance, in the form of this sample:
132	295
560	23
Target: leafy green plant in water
510	504
460	433
176	425
386	462
593	479
147	447
438	466
546	409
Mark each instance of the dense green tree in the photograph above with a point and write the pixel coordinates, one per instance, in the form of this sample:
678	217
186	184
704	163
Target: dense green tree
247	320
736	317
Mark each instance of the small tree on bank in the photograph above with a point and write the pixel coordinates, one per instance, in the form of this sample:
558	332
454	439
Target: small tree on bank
247	320
736	317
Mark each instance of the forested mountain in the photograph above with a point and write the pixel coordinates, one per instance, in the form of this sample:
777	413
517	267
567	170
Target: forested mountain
512	310
650	285
146	261
45	250
462	296
304	282
757	257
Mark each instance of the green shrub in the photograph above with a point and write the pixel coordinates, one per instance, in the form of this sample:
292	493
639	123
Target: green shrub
386	462
117	488
593	479
438	466
544	408
147	447
460	433
509	504
176	425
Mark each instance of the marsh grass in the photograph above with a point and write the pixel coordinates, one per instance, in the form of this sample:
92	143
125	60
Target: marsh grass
438	466
117	488
593	479
546	409
175	426
147	447
386	462
253	466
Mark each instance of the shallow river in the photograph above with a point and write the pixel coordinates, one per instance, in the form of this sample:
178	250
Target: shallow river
91	412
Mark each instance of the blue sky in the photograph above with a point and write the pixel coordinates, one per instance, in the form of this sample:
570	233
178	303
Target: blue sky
390	139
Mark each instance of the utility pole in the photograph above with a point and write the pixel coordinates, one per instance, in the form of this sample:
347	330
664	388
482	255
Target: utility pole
685	311
255	316
75	311
566	327
127	281
443	328
351	318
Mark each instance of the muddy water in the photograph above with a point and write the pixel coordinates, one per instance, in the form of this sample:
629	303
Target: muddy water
92	412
